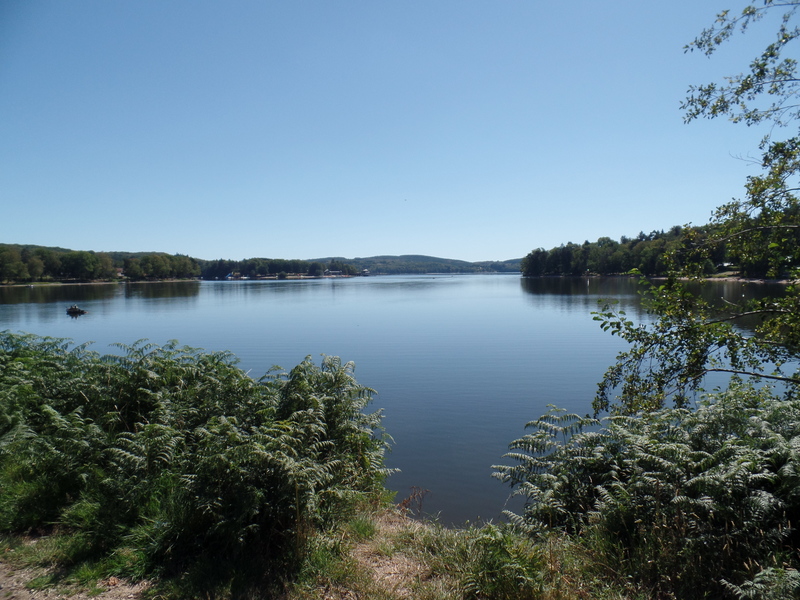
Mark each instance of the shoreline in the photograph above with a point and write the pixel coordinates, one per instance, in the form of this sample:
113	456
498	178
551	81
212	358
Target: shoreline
730	278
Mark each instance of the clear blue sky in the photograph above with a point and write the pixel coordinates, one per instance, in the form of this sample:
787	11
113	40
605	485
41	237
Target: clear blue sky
469	129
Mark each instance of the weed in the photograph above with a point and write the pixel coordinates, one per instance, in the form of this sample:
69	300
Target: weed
361	528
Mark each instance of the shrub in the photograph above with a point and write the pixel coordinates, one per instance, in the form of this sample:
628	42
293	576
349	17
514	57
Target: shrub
690	502
178	457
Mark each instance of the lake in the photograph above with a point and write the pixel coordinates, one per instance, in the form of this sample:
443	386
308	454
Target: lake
460	363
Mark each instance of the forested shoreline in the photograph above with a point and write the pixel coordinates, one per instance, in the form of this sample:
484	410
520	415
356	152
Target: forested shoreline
652	254
659	253
32	264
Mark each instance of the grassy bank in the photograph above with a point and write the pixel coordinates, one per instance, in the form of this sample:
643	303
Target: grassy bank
378	553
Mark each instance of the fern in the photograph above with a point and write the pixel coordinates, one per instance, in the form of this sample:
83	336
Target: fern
678	500
210	475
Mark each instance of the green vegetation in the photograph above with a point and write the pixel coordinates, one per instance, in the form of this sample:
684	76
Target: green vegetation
160	266
691	503
419	264
38	263
254	268
25	264
646	253
683	492
407	559
172	462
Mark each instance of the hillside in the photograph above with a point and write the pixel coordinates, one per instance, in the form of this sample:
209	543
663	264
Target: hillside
418	263
29	263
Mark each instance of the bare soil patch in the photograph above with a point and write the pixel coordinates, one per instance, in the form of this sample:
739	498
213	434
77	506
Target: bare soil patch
14	585
393	571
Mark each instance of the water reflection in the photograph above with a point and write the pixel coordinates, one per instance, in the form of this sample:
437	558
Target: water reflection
26	308
589	293
581	286
70	294
720	293
585	294
167	289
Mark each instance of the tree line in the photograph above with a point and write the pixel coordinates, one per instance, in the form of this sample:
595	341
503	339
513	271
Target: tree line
25	263
658	252
37	263
254	268
645	253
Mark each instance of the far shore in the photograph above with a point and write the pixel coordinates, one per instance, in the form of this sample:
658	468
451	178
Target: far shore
119	281
721	277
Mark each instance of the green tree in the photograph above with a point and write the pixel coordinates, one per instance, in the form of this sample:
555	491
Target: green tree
105	267
11	266
133	269
762	229
184	267
695	494
51	260
316	269
157	266
35	267
692	336
534	263
80	265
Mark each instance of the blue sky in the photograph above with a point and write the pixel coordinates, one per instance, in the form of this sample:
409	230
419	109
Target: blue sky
469	129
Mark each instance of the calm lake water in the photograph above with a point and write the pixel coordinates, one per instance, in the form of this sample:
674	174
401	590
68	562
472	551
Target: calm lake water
460	363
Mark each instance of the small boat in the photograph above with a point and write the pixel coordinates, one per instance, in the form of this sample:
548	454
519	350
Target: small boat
74	311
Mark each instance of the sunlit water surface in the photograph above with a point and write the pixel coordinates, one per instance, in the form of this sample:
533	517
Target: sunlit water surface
460	363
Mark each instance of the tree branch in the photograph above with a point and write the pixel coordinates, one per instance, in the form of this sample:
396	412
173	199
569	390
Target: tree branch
750	230
750	313
752	374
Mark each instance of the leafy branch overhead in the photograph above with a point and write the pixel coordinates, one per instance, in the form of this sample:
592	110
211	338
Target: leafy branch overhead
687	493
689	334
768	90
761	229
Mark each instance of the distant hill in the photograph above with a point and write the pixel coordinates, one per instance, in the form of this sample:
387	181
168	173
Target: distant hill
28	262
418	263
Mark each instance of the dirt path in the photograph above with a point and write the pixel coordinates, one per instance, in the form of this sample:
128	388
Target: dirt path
394	572
14	586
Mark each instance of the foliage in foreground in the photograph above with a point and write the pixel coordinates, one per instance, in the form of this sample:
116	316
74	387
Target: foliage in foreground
171	461
694	503
687	493
427	561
